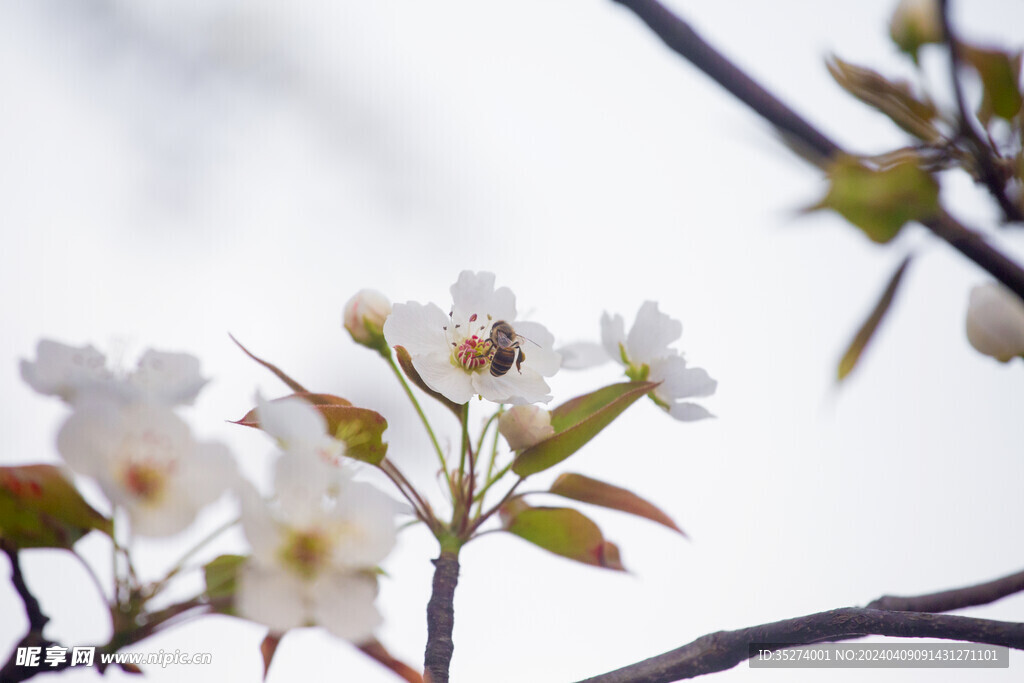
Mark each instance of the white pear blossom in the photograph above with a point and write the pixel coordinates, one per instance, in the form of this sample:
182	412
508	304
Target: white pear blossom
525	426
453	353
316	459
647	355
364	317
147	462
995	322
315	548
77	373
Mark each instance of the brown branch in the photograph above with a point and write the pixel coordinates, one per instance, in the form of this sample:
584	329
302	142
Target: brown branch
441	618
682	39
979	150
957	598
725	649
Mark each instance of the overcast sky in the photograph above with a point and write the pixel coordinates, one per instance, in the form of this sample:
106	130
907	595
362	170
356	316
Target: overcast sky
175	171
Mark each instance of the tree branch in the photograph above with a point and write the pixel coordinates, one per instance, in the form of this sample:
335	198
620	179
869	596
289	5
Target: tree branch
957	598
441	618
681	38
725	649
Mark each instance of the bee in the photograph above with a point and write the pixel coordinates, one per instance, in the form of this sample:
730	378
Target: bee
506	349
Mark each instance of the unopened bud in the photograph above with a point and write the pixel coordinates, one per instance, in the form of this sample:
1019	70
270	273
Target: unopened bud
915	23
525	426
995	322
364	318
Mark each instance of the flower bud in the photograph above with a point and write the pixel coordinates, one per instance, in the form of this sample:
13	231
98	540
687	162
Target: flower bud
995	322
525	426
364	318
915	23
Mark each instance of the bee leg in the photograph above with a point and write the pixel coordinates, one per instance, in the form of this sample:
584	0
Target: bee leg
519	360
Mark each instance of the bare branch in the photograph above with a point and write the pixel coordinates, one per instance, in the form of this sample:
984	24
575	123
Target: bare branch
441	618
725	649
681	38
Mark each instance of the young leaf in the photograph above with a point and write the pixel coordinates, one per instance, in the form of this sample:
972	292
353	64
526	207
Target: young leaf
295	386
562	531
405	360
578	421
587	490
41	508
870	326
221	574
318	400
1000	78
880	202
892	98
376	651
267	649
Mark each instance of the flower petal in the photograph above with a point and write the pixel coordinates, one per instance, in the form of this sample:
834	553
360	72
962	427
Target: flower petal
613	335
273	597
475	293
583	355
689	412
651	334
437	371
538	348
679	381
512	387
418	327
344	605
168	378
293	421
64	371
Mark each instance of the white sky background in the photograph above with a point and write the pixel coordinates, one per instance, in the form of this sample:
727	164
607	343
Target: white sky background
174	171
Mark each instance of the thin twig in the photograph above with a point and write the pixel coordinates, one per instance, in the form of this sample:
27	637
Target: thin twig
681	38
957	598
979	150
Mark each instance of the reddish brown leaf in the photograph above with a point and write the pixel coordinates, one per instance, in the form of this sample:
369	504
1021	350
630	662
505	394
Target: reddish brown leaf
587	490
375	650
295	386
267	649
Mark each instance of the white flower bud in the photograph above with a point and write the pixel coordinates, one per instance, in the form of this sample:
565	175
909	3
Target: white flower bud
995	322
915	23
364	318
525	426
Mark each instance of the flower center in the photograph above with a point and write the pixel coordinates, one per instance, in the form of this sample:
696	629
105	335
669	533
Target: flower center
473	353
305	552
145	480
470	350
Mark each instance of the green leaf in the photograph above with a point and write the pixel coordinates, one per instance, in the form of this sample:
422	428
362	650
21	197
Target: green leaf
880	202
405	360
870	326
895	99
41	508
221	574
587	490
576	422
562	531
295	386
361	429
1000	81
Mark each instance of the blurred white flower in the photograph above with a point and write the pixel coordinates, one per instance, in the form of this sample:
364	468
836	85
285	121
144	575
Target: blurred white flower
74	373
647	355
453	353
995	322
315	458
364	318
315	549
582	355
525	426
915	23
147	462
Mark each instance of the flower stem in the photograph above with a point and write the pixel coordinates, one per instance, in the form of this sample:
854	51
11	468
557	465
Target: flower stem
176	569
423	418
441	617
